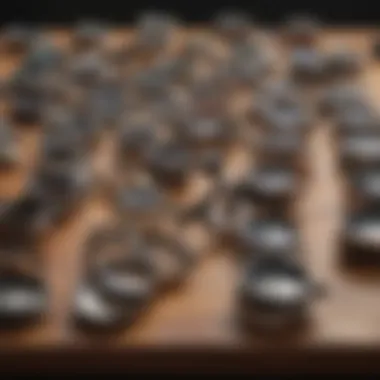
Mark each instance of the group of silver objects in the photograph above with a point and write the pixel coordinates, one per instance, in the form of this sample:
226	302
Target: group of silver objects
168	98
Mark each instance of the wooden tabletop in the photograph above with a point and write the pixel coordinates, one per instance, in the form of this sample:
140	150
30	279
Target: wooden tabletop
196	325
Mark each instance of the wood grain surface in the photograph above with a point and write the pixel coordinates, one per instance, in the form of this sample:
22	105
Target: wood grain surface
196	326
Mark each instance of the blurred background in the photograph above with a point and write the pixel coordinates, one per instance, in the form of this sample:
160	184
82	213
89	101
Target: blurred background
119	11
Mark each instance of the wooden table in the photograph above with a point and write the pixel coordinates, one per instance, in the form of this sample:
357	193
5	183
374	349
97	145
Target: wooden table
195	327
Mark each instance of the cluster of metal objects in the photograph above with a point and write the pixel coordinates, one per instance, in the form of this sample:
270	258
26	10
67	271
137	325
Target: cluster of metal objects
358	139
167	97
